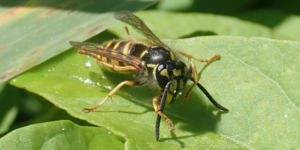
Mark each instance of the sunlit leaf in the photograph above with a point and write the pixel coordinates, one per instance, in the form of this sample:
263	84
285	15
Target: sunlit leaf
256	78
60	135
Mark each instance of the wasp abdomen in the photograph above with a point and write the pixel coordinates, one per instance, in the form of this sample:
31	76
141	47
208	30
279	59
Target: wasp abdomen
117	47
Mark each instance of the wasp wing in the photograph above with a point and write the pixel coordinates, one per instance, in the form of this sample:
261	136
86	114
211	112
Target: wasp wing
95	50
140	26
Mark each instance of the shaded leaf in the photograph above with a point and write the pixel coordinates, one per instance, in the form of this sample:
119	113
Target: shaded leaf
9	96
280	22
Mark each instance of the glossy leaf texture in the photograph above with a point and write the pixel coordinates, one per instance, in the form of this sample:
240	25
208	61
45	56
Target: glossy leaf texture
257	79
58	134
33	31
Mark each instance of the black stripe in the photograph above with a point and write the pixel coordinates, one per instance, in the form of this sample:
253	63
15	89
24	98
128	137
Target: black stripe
121	64
120	48
112	45
108	60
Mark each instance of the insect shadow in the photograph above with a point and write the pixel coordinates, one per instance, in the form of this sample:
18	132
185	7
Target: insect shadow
196	116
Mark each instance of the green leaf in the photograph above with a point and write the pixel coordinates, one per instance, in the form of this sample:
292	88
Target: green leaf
37	30
173	25
60	135
217	7
257	79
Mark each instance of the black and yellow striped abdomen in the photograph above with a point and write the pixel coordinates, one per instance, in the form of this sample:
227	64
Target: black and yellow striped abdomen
117	47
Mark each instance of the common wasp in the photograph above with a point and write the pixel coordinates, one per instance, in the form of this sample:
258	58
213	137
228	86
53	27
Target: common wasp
152	64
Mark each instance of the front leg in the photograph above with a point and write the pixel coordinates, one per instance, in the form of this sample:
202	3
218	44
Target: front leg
159	109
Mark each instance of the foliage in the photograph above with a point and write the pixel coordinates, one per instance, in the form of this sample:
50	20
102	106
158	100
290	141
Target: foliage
256	77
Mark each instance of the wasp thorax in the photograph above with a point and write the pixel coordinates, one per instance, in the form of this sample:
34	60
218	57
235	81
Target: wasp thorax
157	55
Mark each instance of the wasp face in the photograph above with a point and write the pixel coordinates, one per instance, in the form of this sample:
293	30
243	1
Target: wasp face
174	70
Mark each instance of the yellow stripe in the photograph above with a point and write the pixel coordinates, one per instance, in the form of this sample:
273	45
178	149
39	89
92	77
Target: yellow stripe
143	53
107	45
117	45
154	75
104	59
98	57
126	48
114	62
151	65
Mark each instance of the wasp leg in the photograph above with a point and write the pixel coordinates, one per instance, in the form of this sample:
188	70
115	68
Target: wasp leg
110	94
127	68
217	56
196	80
157	110
117	68
127	31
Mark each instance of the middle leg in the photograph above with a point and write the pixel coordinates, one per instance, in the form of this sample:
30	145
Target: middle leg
157	110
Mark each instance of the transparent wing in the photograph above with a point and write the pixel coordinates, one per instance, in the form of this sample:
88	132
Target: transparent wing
95	50
85	45
140	26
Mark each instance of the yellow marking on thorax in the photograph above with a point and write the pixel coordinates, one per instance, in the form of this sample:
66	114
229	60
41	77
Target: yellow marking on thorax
126	48
107	45
151	65
117	45
143	53
154	72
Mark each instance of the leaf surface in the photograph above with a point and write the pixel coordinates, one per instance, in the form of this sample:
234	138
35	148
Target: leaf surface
257	79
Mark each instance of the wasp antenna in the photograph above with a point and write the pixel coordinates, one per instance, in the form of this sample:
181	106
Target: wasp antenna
157	127
211	99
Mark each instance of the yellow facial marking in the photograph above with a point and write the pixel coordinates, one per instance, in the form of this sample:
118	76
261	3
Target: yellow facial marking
177	72
164	72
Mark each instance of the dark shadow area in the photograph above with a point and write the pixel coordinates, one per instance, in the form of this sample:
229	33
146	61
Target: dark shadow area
102	37
197	115
33	109
198	33
268	18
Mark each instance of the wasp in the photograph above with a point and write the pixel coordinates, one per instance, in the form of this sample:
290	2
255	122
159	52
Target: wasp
152	64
